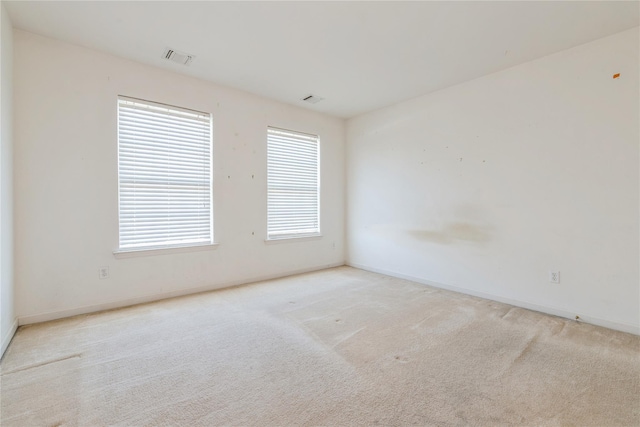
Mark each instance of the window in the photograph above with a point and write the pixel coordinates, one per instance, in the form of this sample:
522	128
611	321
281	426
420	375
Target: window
164	176
293	184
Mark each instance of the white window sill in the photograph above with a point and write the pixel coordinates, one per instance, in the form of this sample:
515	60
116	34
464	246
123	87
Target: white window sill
133	253
292	239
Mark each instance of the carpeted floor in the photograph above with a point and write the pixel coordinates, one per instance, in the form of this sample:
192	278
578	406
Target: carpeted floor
335	347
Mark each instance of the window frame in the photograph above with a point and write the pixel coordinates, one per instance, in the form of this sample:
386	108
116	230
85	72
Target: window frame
296	235
162	248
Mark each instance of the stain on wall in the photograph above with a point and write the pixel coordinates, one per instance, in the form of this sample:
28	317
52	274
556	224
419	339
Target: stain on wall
454	232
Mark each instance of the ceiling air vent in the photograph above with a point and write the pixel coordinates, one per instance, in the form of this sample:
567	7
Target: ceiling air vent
179	57
312	99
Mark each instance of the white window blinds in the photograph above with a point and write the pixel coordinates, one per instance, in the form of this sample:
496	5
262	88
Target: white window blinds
164	175
293	183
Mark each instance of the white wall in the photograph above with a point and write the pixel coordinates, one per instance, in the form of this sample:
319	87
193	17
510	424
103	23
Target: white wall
66	183
488	185
7	314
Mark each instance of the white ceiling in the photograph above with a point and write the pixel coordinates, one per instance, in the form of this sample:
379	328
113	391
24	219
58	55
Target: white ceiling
359	56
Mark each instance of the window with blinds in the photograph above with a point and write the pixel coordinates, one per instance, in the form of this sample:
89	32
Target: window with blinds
164	176
293	184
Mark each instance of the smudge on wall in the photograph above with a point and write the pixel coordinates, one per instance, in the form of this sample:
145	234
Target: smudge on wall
453	233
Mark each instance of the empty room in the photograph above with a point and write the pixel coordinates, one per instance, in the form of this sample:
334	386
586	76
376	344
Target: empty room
319	213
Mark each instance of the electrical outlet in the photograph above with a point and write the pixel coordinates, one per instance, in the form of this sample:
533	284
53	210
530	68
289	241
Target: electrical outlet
554	276
103	273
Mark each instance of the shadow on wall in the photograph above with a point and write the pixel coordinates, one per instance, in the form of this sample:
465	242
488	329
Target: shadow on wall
453	233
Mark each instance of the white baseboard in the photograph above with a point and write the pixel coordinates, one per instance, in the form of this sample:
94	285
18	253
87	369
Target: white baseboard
618	326
53	315
6	339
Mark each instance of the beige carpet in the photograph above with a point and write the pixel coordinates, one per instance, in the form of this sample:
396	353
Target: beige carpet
336	347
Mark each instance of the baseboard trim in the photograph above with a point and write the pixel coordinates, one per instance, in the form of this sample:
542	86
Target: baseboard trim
6	340
94	308
618	326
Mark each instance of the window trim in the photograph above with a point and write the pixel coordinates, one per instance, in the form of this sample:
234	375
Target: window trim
136	251
297	237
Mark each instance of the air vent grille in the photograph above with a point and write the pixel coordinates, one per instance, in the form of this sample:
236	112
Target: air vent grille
312	99
178	57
